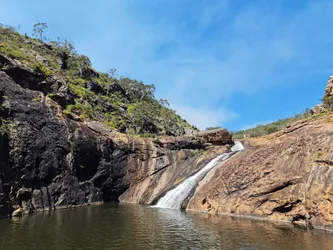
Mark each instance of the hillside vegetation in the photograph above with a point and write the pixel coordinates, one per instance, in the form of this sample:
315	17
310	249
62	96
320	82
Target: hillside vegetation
123	104
262	130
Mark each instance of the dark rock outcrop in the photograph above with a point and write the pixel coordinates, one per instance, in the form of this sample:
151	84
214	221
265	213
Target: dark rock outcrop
21	74
52	155
94	87
168	174
49	160
199	140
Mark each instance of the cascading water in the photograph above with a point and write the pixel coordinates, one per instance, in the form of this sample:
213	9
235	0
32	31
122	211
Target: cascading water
175	197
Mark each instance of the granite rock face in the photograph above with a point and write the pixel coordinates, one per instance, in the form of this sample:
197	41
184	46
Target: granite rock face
285	176
320	108
198	140
329	87
180	166
50	161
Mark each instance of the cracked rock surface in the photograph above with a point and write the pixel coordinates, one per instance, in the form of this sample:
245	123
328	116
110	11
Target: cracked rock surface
284	176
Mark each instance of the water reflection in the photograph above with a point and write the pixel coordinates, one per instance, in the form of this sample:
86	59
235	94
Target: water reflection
114	226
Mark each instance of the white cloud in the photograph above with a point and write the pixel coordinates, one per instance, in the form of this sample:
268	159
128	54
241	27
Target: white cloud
200	54
253	125
204	117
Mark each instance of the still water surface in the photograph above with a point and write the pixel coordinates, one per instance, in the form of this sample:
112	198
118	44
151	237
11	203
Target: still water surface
117	226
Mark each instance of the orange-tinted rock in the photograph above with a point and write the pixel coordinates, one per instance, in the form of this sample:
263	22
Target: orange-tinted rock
198	140
329	87
216	136
177	166
285	176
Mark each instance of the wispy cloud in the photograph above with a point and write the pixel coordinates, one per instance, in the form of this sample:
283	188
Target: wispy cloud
200	54
205	117
253	125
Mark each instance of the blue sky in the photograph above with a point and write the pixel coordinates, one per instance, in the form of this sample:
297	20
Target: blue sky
230	63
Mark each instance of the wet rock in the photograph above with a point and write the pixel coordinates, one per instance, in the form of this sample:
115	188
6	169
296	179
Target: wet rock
18	212
49	161
24	194
285	176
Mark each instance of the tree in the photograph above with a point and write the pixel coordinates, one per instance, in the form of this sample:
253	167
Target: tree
148	91
138	91
80	63
212	128
144	115
112	73
39	29
164	102
328	102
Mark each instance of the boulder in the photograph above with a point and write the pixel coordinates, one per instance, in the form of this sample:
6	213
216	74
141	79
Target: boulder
18	212
41	59
182	142
318	109
21	74
50	161
216	136
94	87
23	194
284	176
61	93
90	72
199	140
329	87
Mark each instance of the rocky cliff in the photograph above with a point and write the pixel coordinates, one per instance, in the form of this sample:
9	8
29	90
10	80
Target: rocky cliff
49	160
327	99
64	142
329	88
284	176
56	70
64	131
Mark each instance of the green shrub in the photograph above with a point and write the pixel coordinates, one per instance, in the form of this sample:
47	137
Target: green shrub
212	128
328	102
40	68
267	129
114	121
4	127
65	63
84	110
81	91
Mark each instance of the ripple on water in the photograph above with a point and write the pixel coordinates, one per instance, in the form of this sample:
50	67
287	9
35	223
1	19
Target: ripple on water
114	226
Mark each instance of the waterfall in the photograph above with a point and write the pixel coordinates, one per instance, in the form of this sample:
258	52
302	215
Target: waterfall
175	197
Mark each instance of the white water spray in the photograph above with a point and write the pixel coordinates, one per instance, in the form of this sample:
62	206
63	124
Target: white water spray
175	197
